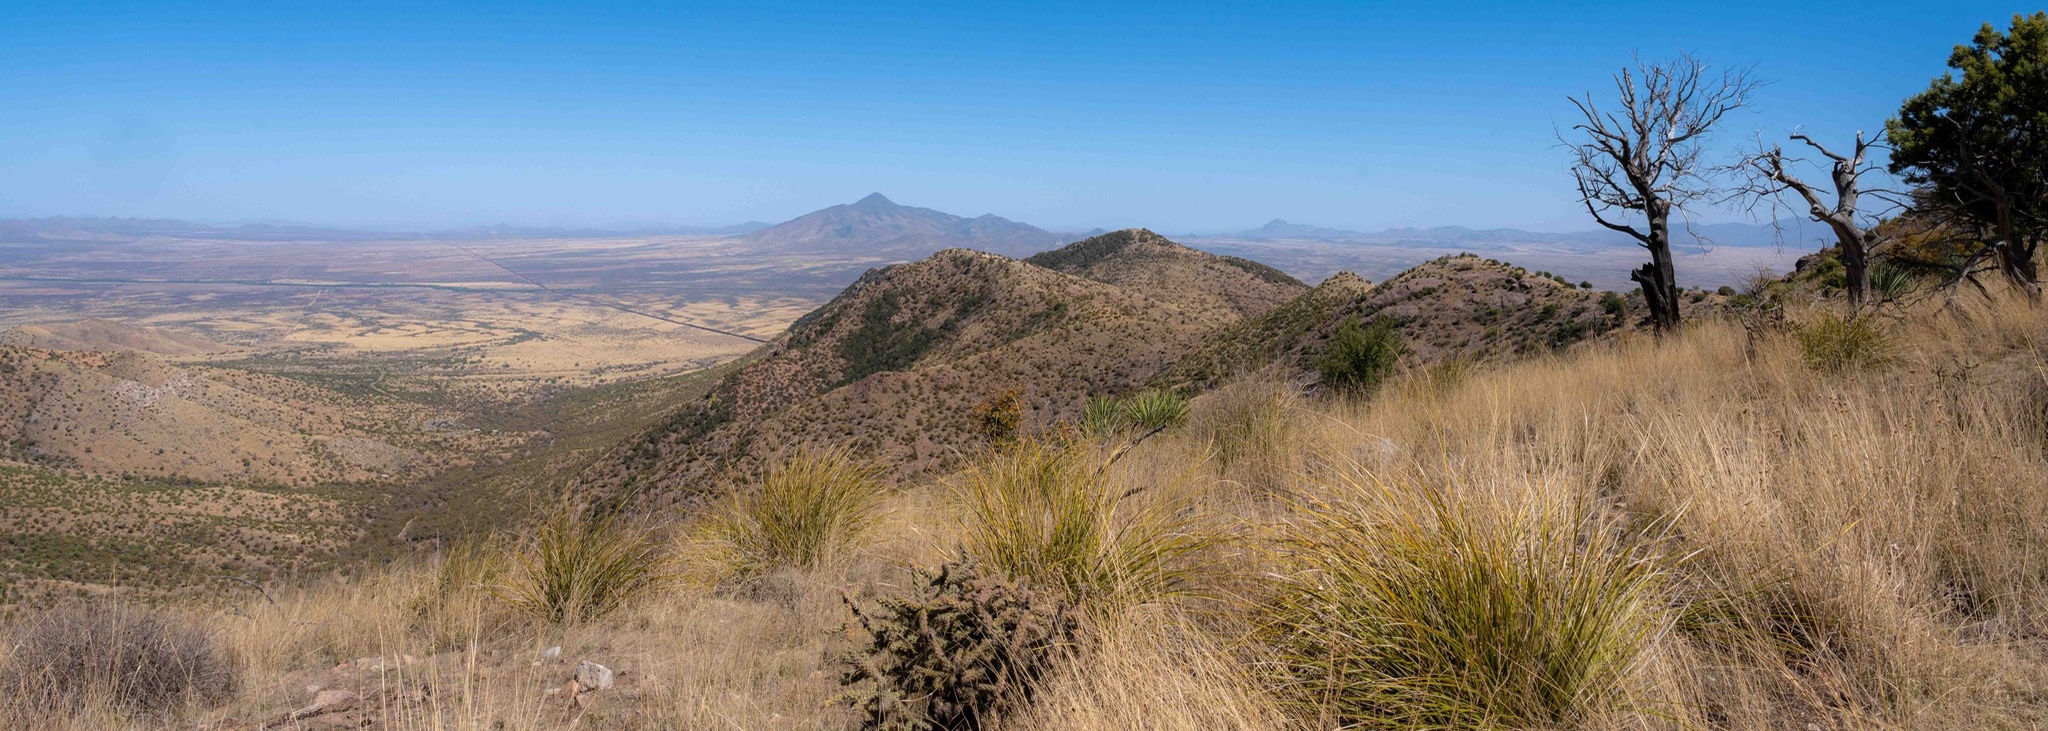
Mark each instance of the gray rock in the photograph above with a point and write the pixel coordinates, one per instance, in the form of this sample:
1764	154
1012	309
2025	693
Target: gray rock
592	676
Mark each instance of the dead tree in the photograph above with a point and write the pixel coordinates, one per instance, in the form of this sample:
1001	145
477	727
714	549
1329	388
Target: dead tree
1768	176
1644	158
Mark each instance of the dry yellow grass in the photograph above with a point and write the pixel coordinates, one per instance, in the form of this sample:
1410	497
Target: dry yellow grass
1854	550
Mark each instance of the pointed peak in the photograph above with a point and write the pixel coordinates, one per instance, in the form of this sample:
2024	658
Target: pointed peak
875	199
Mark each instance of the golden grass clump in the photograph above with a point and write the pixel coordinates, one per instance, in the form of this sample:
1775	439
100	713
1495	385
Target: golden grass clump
1053	515
1412	604
1837	343
1253	429
576	567
812	508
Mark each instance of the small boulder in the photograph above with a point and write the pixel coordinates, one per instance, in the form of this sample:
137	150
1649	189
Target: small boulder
592	676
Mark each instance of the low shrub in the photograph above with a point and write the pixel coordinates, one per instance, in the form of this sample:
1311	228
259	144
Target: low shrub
1361	357
575	567
452	608
1891	282
131	658
1103	417
811	507
955	653
998	419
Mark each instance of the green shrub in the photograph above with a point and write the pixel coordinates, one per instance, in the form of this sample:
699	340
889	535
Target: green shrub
811	507
1834	343
576	568
1614	305
1406	608
132	658
1360	358
998	419
955	653
1050	514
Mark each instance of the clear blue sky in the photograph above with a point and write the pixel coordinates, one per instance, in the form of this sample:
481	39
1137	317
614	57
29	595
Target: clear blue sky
1179	116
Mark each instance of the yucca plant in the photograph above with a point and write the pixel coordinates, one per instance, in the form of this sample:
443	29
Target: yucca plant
1050	514
575	567
812	507
1104	417
1155	410
1890	281
1401	606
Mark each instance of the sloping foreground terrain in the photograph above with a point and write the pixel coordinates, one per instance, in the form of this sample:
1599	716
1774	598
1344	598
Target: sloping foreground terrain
898	365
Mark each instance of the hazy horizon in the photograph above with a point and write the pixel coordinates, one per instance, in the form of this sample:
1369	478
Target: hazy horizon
1180	119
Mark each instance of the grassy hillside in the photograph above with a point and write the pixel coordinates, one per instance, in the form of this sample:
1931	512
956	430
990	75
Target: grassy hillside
1455	308
900	364
1828	525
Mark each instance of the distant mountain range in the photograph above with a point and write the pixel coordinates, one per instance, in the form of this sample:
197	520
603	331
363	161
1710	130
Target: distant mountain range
1790	232
503	231
877	225
98	228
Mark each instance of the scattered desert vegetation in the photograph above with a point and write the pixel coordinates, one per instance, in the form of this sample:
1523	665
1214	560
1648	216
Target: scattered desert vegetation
1555	542
1128	484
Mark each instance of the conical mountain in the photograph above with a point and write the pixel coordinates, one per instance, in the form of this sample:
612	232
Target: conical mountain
877	226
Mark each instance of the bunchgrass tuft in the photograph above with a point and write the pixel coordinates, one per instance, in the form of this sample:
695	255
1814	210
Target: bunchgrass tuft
1252	430
813	507
576	568
1403	606
1050	514
1834	343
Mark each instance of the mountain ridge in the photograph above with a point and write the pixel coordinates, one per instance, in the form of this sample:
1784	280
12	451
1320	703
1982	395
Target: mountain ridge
877	225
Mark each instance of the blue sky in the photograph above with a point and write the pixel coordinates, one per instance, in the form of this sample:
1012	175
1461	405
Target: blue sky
1184	116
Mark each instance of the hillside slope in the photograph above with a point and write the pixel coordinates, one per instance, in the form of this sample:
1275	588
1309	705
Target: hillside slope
1460	306
897	364
1215	286
131	413
98	334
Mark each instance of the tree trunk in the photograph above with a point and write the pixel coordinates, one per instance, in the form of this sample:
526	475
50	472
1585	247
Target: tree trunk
1856	262
2016	261
1659	278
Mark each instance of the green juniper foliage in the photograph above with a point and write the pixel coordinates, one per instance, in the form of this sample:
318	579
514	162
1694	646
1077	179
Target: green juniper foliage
1360	358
